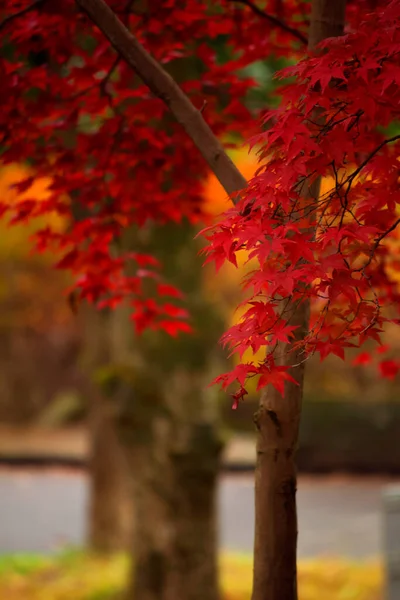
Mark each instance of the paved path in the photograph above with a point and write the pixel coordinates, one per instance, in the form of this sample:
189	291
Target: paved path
45	509
337	517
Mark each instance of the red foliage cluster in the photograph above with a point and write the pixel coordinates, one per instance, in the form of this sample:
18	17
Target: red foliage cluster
115	154
117	158
329	248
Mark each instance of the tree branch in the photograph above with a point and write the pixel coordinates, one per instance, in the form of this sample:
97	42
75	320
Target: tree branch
21	13
376	245
274	20
354	174
165	88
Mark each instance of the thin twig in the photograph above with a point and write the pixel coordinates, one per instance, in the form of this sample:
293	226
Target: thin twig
371	155
376	244
274	20
21	13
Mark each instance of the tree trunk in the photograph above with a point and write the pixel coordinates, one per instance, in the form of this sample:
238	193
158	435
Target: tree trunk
168	426
278	421
110	509
275	542
175	468
110	504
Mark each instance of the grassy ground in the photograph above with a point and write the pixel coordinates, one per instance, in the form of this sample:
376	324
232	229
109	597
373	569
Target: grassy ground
76	576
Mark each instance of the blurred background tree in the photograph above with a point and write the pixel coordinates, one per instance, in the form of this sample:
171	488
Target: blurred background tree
169	426
40	339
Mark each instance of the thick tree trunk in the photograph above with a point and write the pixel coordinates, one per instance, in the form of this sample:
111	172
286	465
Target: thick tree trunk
175	476
168	426
173	449
278	421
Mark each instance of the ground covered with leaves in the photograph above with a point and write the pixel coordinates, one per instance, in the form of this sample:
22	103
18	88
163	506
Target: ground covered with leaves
82	577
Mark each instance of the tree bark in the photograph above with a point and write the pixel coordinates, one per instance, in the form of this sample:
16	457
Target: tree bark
175	466
110	504
278	421
110	500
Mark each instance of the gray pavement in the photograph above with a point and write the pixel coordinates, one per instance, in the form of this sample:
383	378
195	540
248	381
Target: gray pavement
337	516
43	510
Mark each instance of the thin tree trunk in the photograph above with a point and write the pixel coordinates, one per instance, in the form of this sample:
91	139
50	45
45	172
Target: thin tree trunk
278	421
275	542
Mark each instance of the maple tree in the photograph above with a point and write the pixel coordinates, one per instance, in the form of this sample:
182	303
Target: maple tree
341	267
330	249
66	109
63	106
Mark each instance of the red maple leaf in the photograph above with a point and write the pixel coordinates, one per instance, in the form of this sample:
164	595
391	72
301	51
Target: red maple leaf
389	368
362	359
276	376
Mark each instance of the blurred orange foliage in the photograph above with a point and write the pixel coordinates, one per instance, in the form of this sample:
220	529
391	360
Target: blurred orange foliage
31	292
